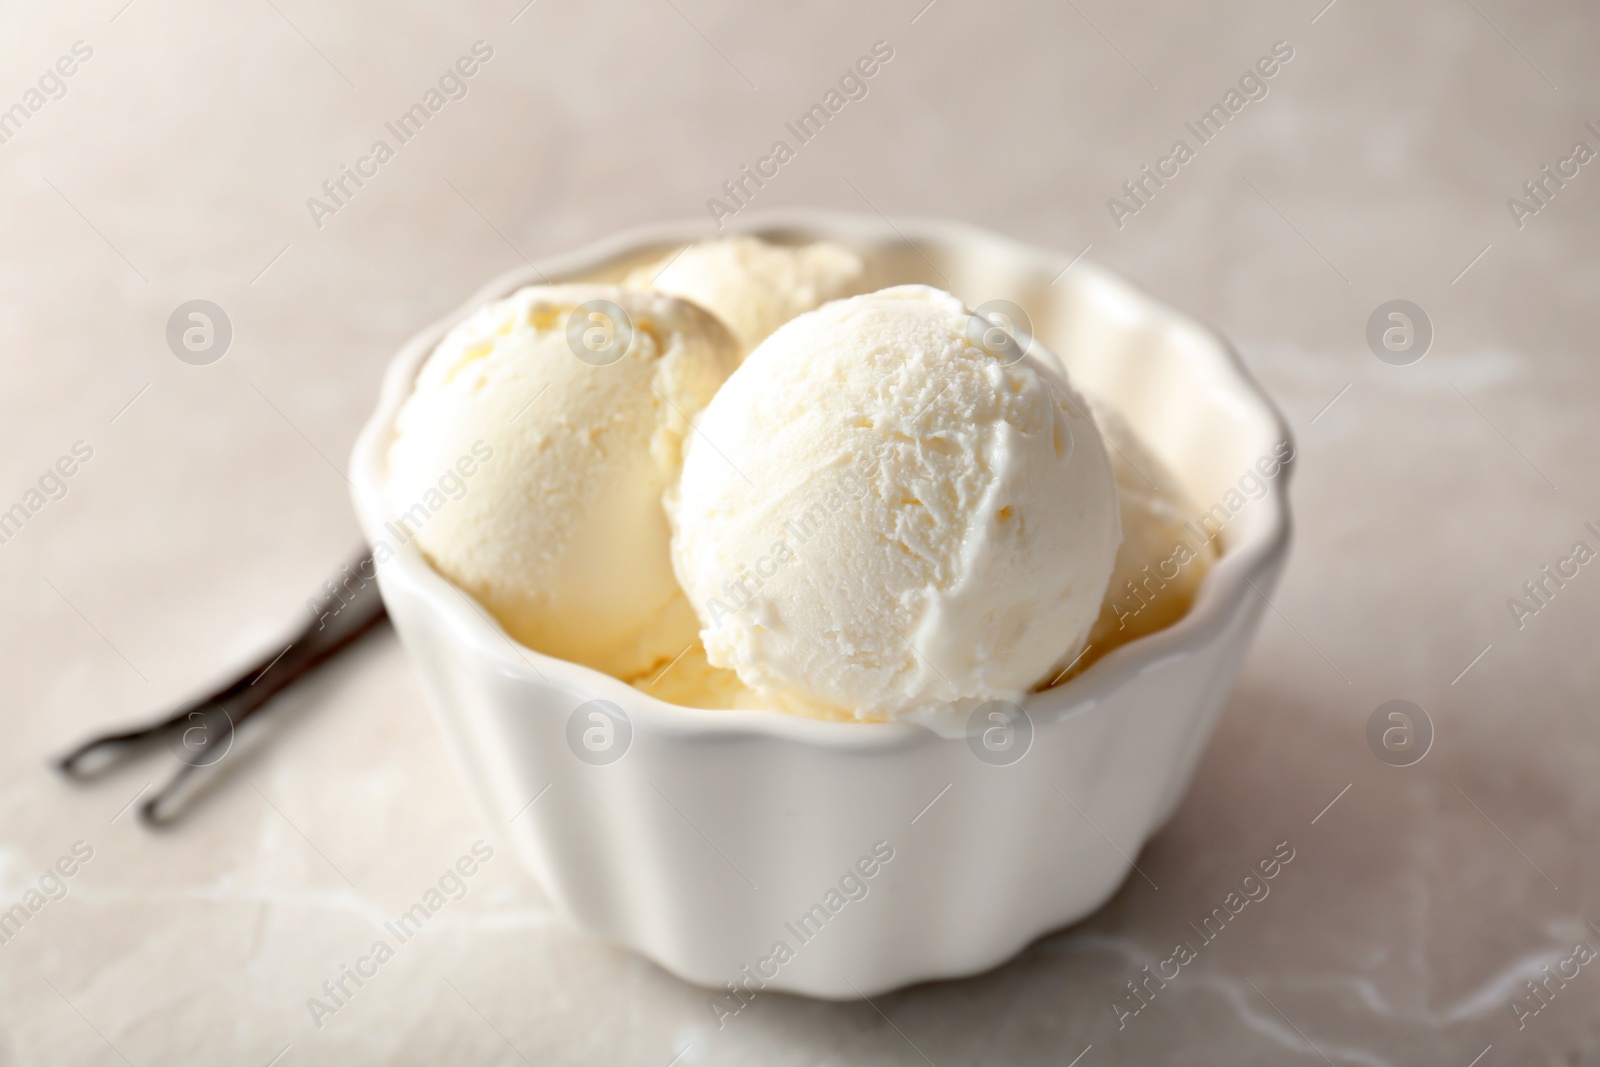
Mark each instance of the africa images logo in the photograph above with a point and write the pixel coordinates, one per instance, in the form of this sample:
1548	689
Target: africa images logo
337	191
1252	86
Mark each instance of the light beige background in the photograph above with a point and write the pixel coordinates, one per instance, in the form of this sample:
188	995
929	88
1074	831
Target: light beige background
177	166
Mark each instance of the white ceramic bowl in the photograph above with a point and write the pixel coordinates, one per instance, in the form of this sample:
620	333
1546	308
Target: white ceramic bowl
704	845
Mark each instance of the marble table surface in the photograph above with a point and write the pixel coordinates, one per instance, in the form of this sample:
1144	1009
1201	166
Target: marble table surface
1380	162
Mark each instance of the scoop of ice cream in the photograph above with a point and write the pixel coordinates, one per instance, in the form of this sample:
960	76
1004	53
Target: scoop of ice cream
559	427
878	516
1161	561
753	286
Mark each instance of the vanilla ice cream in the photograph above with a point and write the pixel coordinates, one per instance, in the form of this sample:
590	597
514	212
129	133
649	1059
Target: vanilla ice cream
878	517
1161	562
753	286
572	421
693	682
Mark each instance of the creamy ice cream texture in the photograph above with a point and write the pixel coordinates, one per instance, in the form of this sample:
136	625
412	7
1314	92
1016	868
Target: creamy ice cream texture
1153	580
754	286
1160	563
877	480
561	534
878	516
